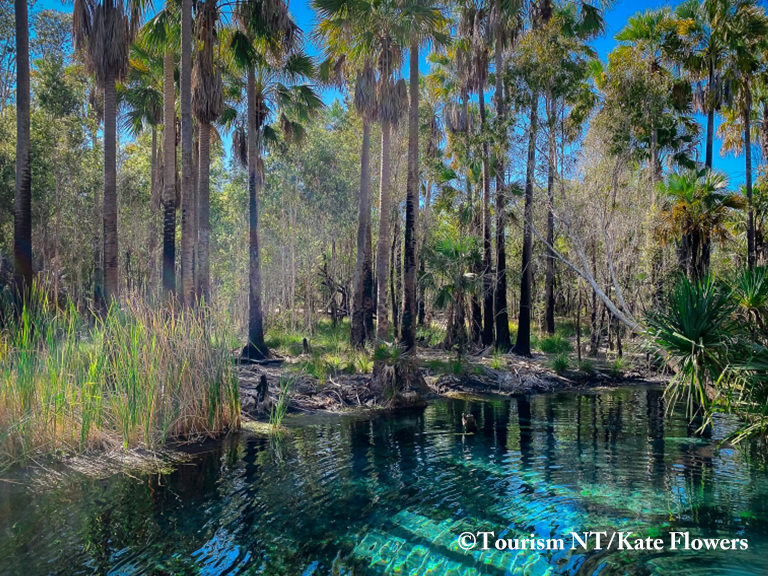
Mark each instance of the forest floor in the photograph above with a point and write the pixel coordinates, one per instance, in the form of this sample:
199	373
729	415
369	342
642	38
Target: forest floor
445	375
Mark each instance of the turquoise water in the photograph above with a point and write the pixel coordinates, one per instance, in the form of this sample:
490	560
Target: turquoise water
390	494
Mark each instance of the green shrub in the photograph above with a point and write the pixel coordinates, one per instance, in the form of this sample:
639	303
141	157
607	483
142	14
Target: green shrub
618	367
554	345
560	363
587	366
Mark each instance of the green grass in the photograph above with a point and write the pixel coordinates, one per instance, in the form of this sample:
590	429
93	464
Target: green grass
587	366
618	367
554	345
137	377
560	363
279	410
330	352
430	336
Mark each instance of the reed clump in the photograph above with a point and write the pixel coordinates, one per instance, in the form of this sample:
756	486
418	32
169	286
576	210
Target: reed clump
136	377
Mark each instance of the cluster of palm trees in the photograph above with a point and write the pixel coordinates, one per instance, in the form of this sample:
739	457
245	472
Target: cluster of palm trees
709	57
193	72
183	71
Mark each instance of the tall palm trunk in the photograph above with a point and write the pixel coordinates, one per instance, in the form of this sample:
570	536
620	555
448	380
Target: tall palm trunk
204	214
382	249
111	286
710	118
363	260
169	176
408	330
487	333
187	176
153	208
22	230
748	180
476	311
549	280
256	349
500	293
523	341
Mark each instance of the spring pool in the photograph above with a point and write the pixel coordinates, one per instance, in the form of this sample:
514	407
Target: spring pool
390	494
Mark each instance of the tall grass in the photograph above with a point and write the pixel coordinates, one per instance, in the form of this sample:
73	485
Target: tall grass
136	377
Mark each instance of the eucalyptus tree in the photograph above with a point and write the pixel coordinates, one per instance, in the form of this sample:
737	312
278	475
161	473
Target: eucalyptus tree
267	47
536	72
22	231
104	30
207	104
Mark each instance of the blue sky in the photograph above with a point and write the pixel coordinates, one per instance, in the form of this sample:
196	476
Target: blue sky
616	19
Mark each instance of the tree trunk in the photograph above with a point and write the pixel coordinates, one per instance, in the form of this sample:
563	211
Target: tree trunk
22	223
169	175
748	179
255	349
395	273
154	205
408	331
360	293
549	280
503	343
187	177
204	232
487	333
111	285
382	258
710	119
523	341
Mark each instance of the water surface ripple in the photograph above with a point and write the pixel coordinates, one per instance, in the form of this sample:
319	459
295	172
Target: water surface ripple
389	494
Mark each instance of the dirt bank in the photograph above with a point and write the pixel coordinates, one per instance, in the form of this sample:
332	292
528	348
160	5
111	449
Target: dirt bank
507	375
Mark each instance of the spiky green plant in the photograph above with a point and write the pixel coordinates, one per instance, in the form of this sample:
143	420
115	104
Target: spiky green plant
695	332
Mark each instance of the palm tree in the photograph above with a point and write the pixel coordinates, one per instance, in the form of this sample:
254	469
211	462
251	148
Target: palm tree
505	25
696	208
267	47
746	38
187	158
22	234
648	32
701	47
474	26
422	20
104	31
452	261
341	28
391	100
162	34
143	99
207	102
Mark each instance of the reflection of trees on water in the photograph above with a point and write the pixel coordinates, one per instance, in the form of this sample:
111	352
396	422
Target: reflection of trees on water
305	495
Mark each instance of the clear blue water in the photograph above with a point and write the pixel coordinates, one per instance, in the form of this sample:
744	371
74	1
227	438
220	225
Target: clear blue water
390	494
